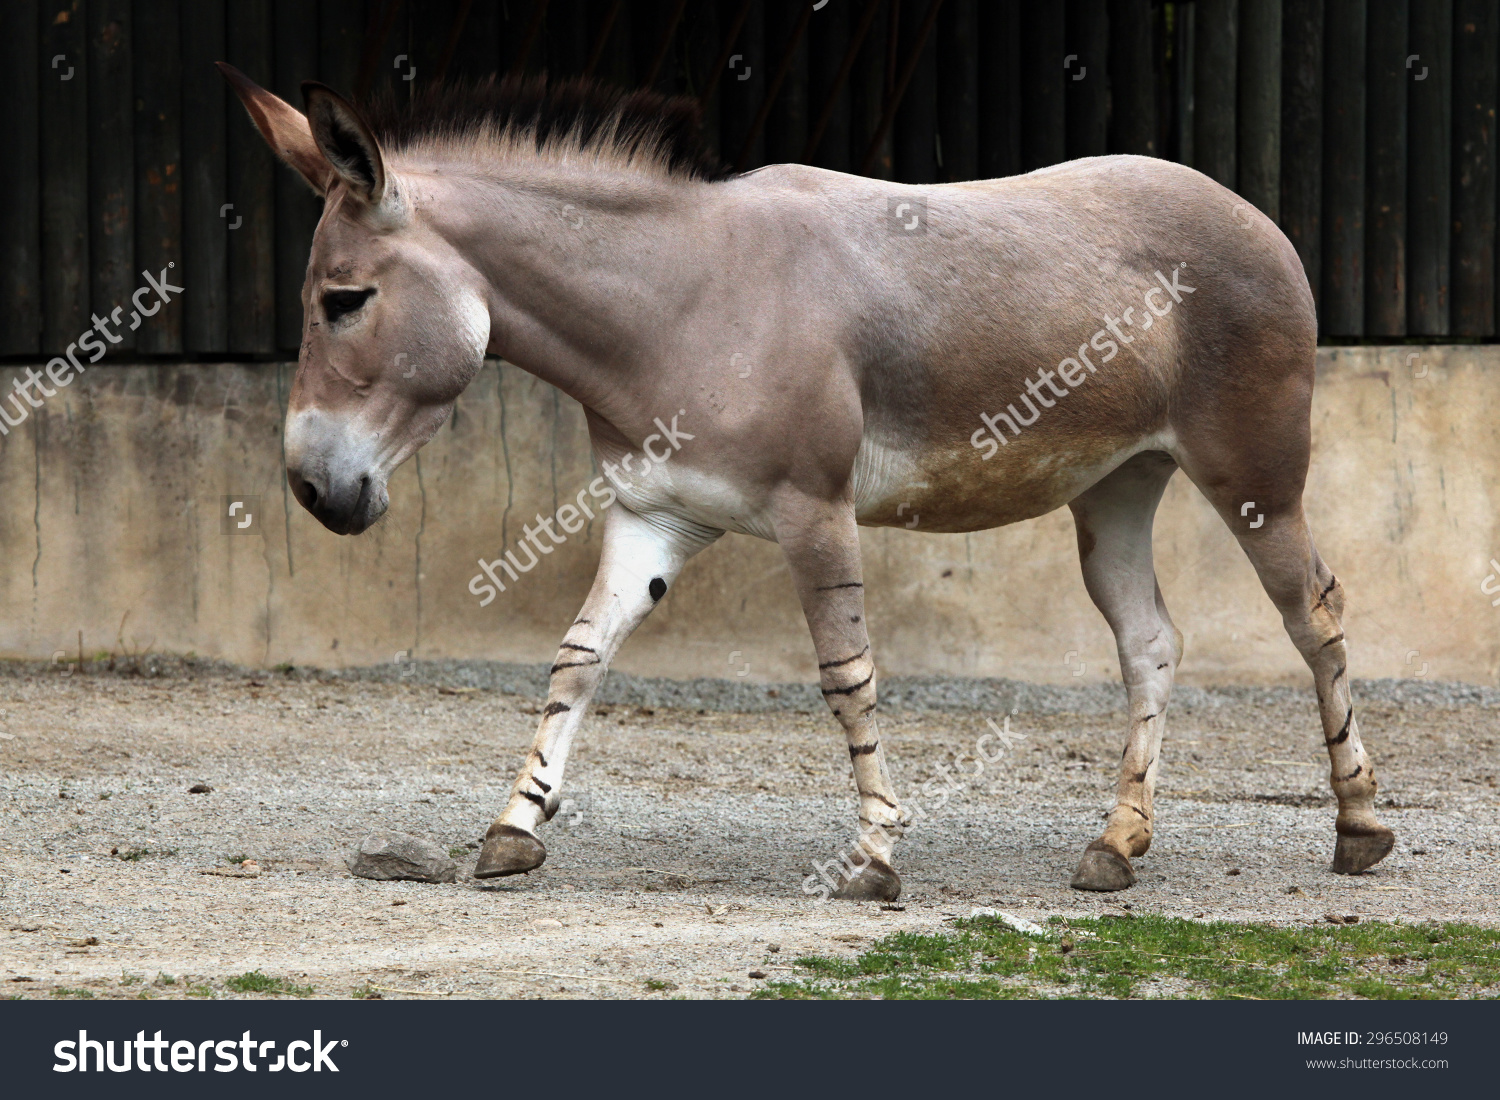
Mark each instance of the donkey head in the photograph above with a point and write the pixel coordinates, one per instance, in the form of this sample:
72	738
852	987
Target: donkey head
395	321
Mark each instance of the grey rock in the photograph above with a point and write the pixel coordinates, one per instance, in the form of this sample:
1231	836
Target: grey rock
391	855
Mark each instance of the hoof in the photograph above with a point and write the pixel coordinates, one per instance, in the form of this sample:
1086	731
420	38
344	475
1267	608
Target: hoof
509	851
875	882
1359	852
1102	869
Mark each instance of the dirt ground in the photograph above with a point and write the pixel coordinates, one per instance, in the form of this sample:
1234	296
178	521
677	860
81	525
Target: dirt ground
681	860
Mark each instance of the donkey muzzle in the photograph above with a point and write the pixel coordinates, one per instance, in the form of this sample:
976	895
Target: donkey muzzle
346	505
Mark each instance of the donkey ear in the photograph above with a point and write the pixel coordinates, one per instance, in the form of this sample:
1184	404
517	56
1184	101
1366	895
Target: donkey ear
283	126
345	141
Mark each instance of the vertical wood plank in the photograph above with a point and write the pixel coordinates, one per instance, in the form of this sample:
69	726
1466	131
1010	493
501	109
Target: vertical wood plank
297	208
786	125
743	84
1302	134
958	89
701	43
112	270
1343	303
1385	172
1000	88
1043	95
828	42
1132	79
1183	81
430	22
205	241
617	61
341	33
1474	100
64	163
252	190
1430	152
916	118
567	38
20	180
1259	125
867	91
1087	82
478	53
1215	65
158	163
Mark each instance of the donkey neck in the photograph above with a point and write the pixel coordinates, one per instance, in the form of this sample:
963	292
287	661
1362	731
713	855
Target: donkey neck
586	266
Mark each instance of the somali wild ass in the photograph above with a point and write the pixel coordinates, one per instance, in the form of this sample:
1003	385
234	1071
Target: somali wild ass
840	351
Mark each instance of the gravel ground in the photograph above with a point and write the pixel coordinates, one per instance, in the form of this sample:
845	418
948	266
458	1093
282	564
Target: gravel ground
698	810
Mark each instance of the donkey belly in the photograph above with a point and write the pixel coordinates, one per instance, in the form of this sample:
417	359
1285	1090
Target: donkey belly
960	490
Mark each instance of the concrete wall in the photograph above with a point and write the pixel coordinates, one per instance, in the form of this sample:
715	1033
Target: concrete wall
110	524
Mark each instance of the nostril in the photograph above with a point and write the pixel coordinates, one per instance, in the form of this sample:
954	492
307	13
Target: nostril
304	490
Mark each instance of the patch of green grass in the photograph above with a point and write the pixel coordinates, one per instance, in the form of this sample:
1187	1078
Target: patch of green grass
201	991
984	959
165	979
131	979
367	992
235	859
658	985
64	992
253	981
458	851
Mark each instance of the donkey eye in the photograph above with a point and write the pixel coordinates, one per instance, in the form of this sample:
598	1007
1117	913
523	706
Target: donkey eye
340	303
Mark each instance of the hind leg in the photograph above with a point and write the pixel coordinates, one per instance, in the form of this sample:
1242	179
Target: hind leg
1114	545
1311	602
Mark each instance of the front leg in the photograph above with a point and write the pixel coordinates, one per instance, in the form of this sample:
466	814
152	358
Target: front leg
821	543
639	562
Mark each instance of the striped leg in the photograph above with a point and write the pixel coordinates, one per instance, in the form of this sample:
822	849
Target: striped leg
1311	602
1114	544
822	550
639	562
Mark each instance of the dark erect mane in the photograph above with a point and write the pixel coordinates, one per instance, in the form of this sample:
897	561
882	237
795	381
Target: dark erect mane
636	125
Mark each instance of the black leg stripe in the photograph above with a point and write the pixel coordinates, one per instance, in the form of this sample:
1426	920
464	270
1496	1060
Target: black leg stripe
538	799
846	584
850	690
571	664
1353	774
846	660
555	708
536	753
1332	641
863	750
1343	734
579	648
546	787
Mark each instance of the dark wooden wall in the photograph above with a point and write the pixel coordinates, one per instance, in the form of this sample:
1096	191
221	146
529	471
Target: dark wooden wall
1366	129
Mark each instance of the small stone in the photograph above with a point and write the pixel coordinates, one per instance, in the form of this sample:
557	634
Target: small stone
200	788
757	973
773	947
1297	890
391	855
1333	918
1351	918
250	867
1232	871
547	922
